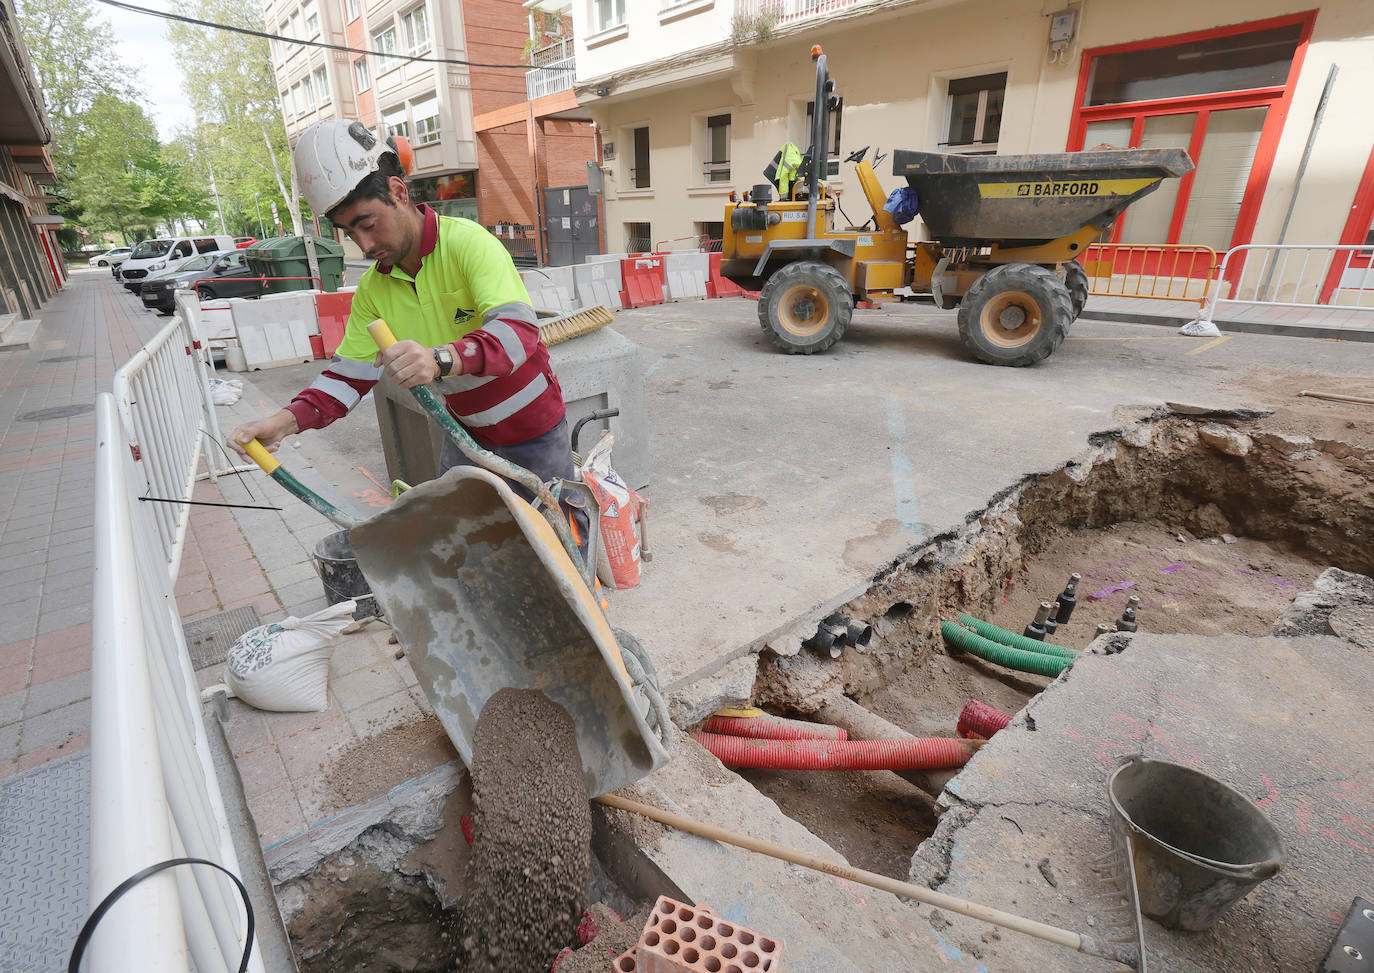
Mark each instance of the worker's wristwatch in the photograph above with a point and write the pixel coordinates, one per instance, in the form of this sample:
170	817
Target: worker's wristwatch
443	357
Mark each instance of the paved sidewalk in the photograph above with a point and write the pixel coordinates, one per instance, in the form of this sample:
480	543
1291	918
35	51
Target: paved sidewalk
47	472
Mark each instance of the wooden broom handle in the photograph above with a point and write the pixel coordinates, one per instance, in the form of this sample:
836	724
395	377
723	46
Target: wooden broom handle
1052	934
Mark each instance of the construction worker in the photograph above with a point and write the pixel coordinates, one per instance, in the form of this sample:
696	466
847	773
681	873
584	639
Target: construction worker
453	299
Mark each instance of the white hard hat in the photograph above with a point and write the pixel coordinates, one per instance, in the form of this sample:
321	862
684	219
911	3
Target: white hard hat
332	157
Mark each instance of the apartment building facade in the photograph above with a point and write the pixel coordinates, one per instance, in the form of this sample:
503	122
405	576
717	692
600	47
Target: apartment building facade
694	97
31	264
488	179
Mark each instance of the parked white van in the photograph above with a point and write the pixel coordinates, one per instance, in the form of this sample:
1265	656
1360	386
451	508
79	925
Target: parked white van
166	253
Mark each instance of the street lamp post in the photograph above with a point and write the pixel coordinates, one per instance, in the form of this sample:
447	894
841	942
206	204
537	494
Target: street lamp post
262	231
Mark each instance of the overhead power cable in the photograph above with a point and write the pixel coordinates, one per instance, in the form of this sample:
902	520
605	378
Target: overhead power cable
166	15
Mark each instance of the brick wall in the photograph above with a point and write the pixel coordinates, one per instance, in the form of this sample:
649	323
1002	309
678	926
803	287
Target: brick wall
496	32
505	178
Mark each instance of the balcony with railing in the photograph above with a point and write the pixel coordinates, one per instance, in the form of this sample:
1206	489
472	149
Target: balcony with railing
552	69
762	16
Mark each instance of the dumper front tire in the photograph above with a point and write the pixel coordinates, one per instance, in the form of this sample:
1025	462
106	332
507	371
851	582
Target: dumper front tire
1015	314
1076	280
805	307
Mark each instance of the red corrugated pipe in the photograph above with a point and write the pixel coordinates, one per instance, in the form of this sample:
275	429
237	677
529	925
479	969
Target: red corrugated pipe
768	727
981	719
929	754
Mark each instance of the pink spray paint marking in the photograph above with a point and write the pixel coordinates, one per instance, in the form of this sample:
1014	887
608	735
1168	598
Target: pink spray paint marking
1109	590
1172	568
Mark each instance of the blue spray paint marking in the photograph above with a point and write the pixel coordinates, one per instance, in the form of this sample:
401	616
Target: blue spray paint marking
954	953
903	476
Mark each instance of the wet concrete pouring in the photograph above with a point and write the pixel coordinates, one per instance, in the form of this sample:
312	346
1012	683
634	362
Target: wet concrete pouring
1215	522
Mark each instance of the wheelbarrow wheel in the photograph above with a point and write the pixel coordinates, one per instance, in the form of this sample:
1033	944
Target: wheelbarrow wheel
1015	314
645	683
805	307
1076	280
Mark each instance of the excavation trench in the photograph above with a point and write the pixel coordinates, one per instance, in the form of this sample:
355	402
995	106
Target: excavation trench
1213	522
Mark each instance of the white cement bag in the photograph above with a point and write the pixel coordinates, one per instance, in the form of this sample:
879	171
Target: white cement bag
284	666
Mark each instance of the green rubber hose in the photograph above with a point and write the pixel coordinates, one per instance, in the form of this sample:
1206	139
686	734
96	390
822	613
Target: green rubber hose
1002	655
991	631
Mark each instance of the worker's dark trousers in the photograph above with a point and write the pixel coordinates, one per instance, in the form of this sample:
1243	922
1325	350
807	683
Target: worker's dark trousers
546	456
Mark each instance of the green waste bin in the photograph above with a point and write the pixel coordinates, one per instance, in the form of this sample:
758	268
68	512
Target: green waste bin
284	256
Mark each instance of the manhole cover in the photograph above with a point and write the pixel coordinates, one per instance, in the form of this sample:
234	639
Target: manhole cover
208	639
63	358
56	412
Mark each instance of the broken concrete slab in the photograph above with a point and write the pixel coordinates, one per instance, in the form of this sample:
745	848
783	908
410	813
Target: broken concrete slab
1270	716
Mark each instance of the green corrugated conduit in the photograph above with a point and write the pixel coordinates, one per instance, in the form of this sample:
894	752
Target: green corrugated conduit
1002	655
991	631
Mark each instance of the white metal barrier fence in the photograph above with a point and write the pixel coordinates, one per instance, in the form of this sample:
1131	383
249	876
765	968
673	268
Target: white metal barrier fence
164	401
1336	278
154	792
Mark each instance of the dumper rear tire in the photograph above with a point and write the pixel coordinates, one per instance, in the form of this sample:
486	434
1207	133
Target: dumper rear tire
805	307
1015	314
1076	280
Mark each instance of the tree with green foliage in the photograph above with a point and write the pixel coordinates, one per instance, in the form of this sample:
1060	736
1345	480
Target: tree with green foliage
239	128
74	54
122	179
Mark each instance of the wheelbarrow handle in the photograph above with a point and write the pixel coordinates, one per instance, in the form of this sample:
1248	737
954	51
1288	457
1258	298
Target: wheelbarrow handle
273	468
381	334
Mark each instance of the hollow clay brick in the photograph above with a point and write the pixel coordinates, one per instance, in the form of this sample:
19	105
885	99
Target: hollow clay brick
679	938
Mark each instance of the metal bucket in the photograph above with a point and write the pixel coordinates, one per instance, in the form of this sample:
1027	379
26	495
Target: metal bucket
1199	845
342	578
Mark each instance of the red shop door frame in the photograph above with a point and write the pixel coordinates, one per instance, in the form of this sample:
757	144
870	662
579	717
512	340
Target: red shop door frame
1356	230
1277	99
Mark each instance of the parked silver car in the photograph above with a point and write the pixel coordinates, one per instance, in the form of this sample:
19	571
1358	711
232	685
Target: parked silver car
111	258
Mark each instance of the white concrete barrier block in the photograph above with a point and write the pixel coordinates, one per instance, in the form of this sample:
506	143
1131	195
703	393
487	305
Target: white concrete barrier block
598	283
275	329
685	276
551	288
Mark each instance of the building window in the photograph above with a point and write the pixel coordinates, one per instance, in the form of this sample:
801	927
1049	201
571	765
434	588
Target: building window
396	122
1232	62
1219	96
385	44
973	114
276	51
415	29
360	79
639	238
312	19
639	163
295	31
322	95
297	106
710	233
426	114
350	11
608	13
833	155
308	93
717	165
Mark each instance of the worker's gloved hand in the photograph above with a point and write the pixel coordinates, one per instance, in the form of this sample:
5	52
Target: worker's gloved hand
409	364
270	432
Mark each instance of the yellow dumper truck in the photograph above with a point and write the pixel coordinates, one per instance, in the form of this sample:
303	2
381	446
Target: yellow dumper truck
1007	232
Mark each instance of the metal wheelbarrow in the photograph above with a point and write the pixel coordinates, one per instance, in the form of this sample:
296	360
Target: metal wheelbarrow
485	592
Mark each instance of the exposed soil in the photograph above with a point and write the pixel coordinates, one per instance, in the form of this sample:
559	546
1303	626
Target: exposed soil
1216	522
377	764
525	885
1186	585
614	936
874	818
